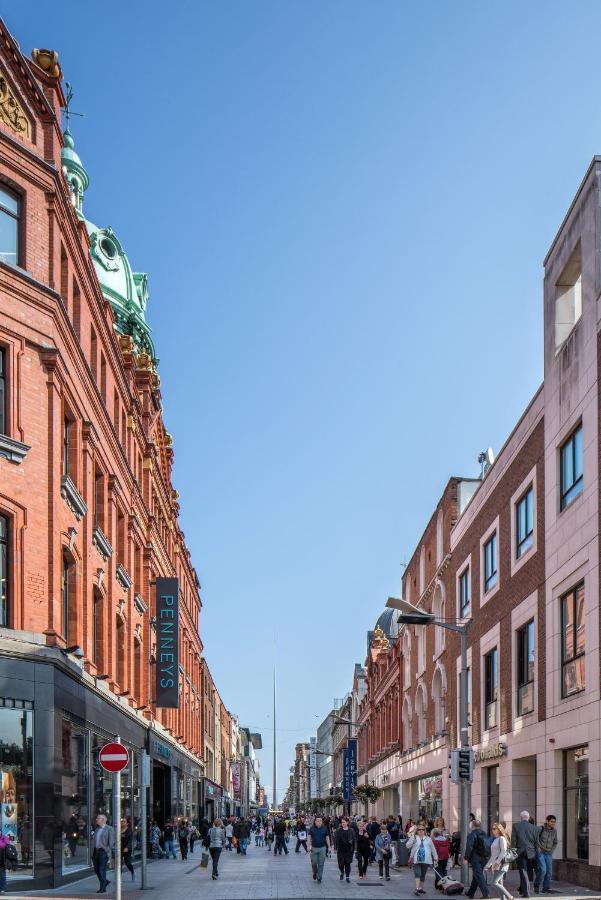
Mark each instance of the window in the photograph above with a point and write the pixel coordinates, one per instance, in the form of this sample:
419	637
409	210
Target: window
9	227
570	466
120	652
572	642
4	572
568	297
464	593
74	796
66	446
16	730
524	523
492	796
138	671
490	562
575	803
65	597
97	630
525	669
490	688
3	394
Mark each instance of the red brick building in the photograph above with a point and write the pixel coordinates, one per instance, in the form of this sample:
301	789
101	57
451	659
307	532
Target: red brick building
88	511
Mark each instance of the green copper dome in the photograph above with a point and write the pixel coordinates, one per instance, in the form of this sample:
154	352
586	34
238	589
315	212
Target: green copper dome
125	290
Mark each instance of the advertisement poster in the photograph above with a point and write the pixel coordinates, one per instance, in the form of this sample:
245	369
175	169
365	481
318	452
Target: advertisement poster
9	820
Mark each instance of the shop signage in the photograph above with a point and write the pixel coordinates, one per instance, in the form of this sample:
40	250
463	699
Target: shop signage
212	790
235	768
113	757
349	762
494	752
167	627
161	749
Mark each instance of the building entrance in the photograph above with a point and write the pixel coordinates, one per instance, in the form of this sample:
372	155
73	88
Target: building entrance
161	793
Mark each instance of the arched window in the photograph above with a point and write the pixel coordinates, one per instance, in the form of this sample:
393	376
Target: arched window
407	731
421	713
438	609
406	658
420	634
439	696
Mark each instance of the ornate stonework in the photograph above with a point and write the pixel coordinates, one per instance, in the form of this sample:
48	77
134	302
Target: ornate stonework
11	112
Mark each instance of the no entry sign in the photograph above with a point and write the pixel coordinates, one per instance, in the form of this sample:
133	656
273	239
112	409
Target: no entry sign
113	757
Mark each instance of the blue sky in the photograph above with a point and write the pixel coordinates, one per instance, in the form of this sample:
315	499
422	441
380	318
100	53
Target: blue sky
343	209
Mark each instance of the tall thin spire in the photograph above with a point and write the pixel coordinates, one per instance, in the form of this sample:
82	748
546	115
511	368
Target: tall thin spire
275	794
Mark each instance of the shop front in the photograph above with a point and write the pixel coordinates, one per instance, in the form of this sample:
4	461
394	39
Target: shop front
423	797
212	795
175	779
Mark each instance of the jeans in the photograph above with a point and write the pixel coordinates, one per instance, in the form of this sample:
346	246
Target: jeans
101	861
544	871
280	844
384	866
478	879
2	878
215	854
300	844
498	878
183	847
170	848
318	858
243	843
522	864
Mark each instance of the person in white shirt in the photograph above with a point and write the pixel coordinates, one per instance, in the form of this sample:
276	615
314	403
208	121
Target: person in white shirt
497	863
422	855
229	833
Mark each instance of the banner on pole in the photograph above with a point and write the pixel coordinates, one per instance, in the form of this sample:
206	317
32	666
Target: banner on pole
167	628
349	763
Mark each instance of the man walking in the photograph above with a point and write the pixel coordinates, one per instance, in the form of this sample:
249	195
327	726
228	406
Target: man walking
320	845
168	839
280	832
547	842
242	833
524	837
103	842
476	854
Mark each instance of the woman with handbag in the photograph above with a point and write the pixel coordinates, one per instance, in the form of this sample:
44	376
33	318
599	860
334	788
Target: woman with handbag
422	855
383	844
500	857
216	844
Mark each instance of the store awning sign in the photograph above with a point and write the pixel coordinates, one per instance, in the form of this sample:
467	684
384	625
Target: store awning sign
167	653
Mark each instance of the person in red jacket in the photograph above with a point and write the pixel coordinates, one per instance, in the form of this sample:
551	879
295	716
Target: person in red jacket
443	849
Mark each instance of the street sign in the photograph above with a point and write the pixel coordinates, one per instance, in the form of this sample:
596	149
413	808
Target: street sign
113	757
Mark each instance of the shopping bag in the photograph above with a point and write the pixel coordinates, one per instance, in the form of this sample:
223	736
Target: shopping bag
204	859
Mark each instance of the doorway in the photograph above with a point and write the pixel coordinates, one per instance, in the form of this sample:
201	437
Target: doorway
161	793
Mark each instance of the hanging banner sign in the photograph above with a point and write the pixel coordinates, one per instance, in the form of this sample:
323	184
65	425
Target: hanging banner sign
349	769
167	628
235	770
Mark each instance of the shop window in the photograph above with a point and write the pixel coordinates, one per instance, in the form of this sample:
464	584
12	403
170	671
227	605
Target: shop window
490	689
572	642
102	783
571	468
74	777
9	227
4	572
3	393
525	669
16	785
575	806
524	523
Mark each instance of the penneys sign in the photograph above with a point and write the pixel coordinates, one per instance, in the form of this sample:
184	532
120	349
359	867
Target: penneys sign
167	626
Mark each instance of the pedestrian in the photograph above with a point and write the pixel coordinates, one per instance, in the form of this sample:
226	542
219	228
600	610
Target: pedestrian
320	845
498	864
373	830
269	836
3	861
216	845
383	847
443	851
242	834
260	836
127	847
363	849
103	843
455	848
229	834
524	838
280	831
169	839
155	841
410	824
72	832
547	842
477	853
422	855
345	847
301	837
183	833
193	838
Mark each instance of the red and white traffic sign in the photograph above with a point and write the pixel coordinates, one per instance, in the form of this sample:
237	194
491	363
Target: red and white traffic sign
113	757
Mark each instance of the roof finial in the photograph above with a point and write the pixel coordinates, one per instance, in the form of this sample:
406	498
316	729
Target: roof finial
75	175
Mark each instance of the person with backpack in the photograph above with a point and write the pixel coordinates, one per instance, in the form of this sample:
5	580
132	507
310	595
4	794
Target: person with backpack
498	863
477	854
422	855
443	851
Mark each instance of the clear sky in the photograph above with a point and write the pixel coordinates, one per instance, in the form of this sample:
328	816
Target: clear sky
343	209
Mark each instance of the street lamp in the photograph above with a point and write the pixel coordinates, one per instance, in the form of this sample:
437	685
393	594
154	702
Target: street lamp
411	615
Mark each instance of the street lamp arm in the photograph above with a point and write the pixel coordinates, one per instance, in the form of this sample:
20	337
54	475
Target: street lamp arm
452	626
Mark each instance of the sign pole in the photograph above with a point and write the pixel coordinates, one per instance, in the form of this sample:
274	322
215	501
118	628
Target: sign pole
117	821
145	784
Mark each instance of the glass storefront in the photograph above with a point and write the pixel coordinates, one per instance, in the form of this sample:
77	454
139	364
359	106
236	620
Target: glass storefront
575	806
16	785
430	796
74	797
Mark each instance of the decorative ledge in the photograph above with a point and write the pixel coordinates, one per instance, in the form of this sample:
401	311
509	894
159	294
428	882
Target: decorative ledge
13	451
139	603
73	498
101	543
123	578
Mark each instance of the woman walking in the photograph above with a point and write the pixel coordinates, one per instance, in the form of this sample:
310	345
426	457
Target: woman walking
183	833
497	863
216	845
127	846
363	849
383	845
345	847
422	856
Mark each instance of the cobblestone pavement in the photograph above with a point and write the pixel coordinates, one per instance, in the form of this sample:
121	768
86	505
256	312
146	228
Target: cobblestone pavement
260	876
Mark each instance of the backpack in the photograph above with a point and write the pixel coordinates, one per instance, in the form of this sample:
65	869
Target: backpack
481	846
11	853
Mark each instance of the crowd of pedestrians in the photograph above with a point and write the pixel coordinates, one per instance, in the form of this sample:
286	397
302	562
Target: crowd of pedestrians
422	845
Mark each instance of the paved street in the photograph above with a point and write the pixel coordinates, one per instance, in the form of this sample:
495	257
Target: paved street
260	876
